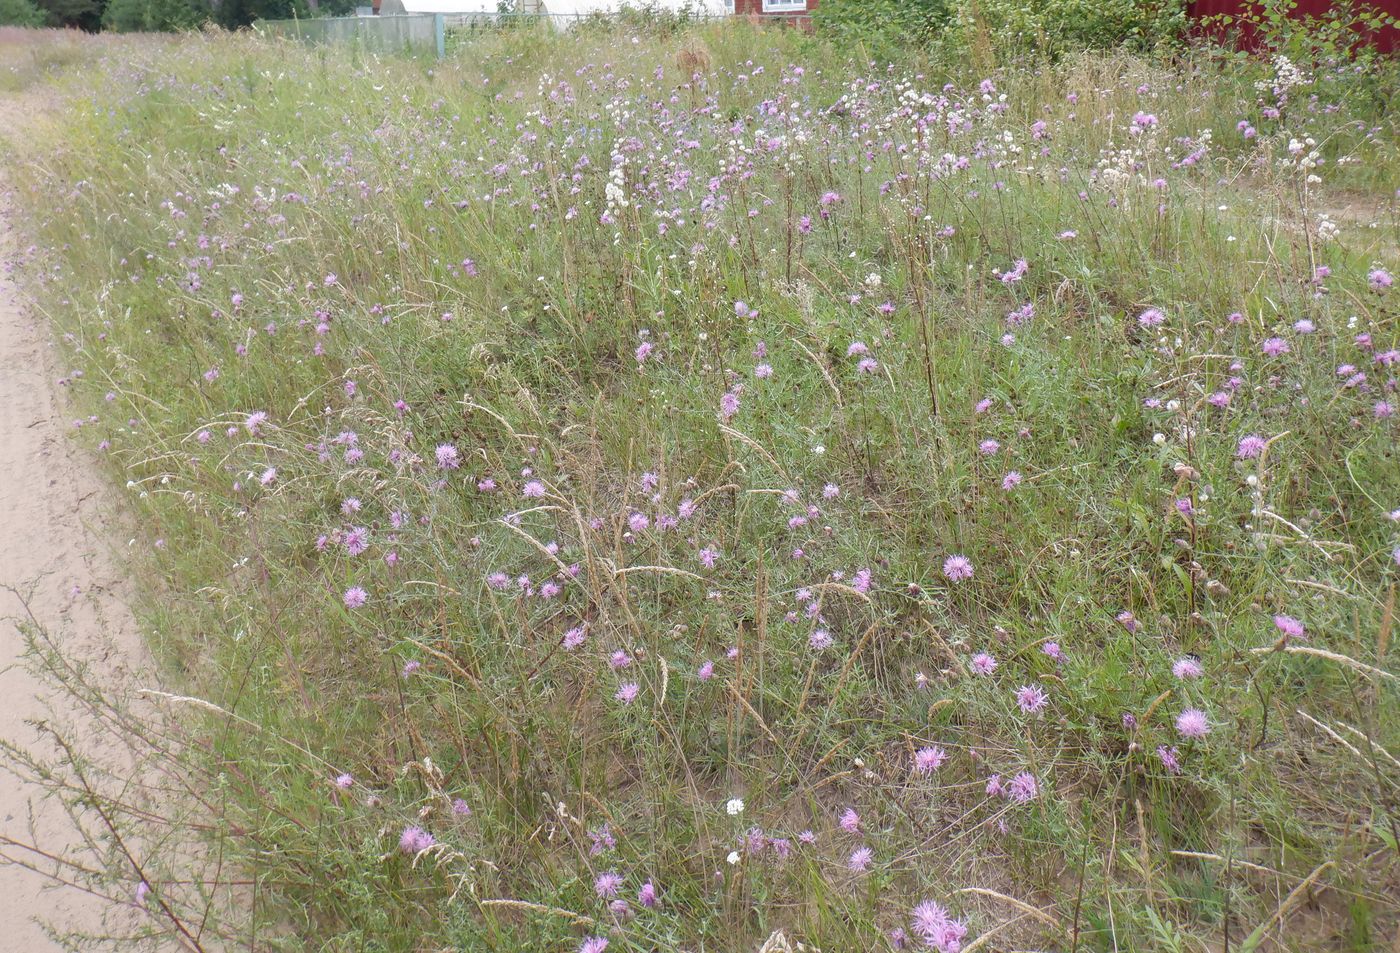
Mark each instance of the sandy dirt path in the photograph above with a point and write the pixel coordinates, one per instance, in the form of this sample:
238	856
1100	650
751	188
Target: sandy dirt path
55	549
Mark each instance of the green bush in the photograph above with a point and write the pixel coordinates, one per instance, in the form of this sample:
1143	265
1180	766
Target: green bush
1055	26
20	13
884	26
1049	26
130	16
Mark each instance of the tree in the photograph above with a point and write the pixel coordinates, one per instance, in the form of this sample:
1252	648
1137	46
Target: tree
83	14
20	13
127	16
239	13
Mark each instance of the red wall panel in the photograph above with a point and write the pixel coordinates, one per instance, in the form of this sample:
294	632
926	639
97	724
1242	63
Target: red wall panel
1387	40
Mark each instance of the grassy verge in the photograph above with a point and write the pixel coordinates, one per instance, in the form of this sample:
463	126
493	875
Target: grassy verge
669	489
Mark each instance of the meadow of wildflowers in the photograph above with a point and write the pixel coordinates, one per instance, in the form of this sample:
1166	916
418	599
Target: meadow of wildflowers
647	492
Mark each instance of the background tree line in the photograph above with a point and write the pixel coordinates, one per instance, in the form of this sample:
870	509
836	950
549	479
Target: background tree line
131	15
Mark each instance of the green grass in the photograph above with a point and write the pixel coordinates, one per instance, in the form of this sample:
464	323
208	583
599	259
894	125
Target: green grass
188	173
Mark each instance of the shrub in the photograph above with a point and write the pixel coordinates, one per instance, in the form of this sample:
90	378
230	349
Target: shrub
884	26
1057	26
127	16
20	13
1049	26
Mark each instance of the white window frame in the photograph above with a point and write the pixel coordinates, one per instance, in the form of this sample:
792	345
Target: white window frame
784	6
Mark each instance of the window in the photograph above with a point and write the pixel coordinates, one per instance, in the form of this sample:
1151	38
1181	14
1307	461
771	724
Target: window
784	6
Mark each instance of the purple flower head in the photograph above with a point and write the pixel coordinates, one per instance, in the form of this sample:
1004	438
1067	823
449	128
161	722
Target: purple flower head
356	540
447	457
607	884
1251	446
603	840
957	568
1187	668
929	760
928	918
1023	788
1031	698
1192	723
728	406
415	840
984	664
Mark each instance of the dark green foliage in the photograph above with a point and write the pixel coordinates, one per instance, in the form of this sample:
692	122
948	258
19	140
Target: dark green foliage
1003	26
1058	26
83	14
885	25
127	16
20	13
239	13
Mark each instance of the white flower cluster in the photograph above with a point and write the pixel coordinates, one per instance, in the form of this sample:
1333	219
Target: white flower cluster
1287	76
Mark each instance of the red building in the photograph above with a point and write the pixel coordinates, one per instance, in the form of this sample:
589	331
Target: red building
1386	40
794	12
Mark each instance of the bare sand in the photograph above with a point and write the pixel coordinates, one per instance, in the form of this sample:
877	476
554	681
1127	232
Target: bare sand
55	549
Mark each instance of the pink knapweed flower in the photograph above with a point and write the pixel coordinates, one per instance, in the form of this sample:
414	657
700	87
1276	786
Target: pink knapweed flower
957	568
1187	668
1192	723
1031	698
415	840
984	664
447	457
1022	788
1251	446
929	760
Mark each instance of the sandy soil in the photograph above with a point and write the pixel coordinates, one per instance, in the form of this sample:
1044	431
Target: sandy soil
54	549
